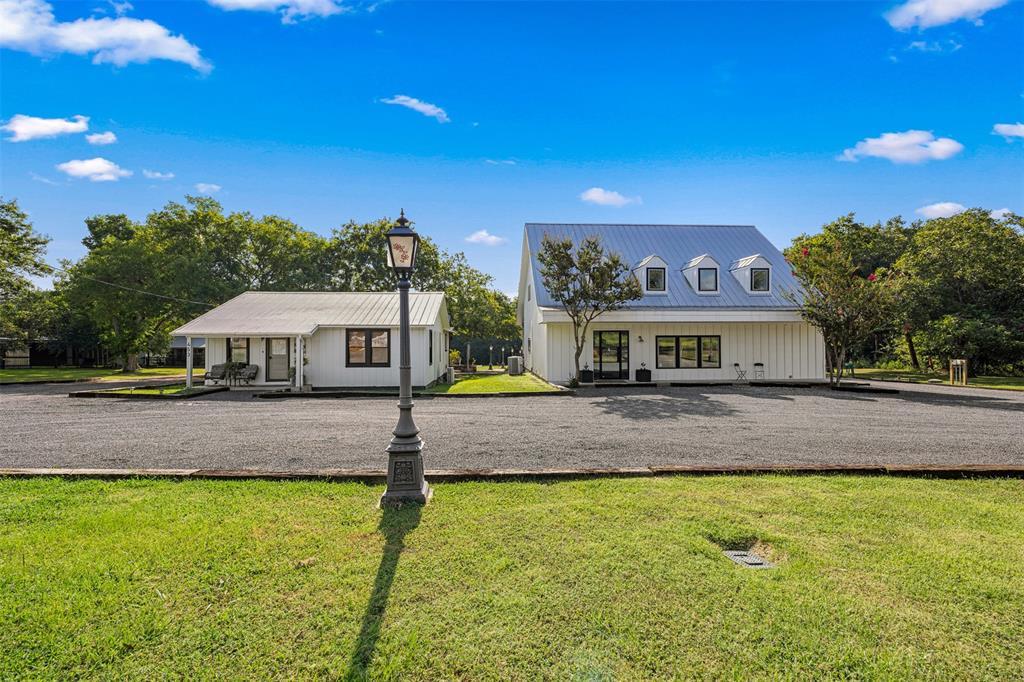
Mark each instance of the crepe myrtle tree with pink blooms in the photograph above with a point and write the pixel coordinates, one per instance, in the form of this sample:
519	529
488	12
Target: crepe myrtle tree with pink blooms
844	305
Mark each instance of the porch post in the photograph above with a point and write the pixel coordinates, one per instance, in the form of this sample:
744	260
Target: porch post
298	362
188	362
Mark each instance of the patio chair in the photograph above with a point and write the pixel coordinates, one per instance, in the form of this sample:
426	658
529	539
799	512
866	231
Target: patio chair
759	370
217	373
247	373
741	374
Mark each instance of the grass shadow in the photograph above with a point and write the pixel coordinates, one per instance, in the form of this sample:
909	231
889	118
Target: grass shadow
395	524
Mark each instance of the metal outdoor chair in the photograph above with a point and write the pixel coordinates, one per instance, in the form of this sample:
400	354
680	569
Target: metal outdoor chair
741	374
217	373
758	370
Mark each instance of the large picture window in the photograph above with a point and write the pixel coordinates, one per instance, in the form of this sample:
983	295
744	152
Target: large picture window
238	349
367	347
689	352
760	279
707	279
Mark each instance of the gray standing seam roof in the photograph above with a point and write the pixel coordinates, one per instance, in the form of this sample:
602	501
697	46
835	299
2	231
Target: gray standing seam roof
263	313
678	245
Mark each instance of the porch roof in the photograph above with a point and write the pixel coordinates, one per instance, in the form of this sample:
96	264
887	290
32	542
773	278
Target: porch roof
280	313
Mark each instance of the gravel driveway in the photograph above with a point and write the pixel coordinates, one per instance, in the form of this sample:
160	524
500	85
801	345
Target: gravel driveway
597	428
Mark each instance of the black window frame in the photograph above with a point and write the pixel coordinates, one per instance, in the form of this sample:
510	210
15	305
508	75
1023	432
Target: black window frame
699	283
700	350
227	344
664	279
768	273
430	347
367	347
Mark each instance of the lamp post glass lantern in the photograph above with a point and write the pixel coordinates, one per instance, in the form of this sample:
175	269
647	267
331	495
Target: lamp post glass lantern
405	453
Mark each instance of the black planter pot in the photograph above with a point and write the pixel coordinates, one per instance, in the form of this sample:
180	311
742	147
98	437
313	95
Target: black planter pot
643	376
586	376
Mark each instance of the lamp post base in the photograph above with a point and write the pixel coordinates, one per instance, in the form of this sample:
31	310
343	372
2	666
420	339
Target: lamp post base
406	483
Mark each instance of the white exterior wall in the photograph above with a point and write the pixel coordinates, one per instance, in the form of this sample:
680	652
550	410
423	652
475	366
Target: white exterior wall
789	350
325	351
534	333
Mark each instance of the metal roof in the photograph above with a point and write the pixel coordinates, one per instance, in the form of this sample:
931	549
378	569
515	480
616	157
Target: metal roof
678	245
270	313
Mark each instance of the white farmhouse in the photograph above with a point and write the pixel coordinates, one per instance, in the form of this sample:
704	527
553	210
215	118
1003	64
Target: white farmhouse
346	339
713	309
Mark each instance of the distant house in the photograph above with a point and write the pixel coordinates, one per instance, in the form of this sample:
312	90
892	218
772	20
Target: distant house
713	309
346	339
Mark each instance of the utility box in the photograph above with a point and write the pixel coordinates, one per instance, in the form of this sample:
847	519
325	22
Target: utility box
515	364
449	376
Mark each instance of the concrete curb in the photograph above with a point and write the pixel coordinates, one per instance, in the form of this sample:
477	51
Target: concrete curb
378	394
453	475
113	393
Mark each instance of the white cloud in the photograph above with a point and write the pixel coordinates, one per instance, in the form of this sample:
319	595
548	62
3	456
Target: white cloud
96	170
1008	130
425	108
156	175
486	238
929	13
40	178
607	197
30	26
911	146
207	188
934	46
290	10
101	138
943	209
501	162
24	128
1000	213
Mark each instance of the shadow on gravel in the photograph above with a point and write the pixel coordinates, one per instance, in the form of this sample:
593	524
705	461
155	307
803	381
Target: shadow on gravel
650	406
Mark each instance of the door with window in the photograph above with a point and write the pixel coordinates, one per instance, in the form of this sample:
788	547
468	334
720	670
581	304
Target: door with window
278	351
611	355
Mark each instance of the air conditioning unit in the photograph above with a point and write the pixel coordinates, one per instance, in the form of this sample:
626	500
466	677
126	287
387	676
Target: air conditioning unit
515	364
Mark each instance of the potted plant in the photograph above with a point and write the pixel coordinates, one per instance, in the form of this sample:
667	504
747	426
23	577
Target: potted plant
643	375
586	375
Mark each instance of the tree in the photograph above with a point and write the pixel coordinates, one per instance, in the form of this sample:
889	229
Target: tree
587	281
357	261
872	249
845	306
961	286
22	307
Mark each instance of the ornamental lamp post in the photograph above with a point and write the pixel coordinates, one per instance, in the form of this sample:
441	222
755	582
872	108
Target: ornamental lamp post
405	453
490	356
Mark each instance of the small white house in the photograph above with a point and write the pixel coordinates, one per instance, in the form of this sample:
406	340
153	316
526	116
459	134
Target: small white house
713	309
346	339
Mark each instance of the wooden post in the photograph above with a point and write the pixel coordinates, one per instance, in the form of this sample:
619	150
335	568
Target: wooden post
188	362
298	362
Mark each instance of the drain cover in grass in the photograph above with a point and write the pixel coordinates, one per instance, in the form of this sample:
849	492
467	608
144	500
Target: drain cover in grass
748	559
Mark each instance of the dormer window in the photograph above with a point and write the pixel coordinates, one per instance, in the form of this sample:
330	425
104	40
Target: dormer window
707	279
760	279
655	279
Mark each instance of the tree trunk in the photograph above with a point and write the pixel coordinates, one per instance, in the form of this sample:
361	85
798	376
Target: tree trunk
131	362
913	351
576	360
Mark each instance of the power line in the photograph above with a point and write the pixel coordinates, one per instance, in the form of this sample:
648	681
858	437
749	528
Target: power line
138	291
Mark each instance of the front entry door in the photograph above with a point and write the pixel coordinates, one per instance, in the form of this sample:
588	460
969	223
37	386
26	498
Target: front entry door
611	355
278	351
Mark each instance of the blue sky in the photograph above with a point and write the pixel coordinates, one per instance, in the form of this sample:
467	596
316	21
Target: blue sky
483	116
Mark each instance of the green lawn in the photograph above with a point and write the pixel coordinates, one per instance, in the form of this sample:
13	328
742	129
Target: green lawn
494	383
877	577
15	376
1009	383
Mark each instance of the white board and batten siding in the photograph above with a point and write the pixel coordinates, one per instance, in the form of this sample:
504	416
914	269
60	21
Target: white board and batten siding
789	350
321	319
